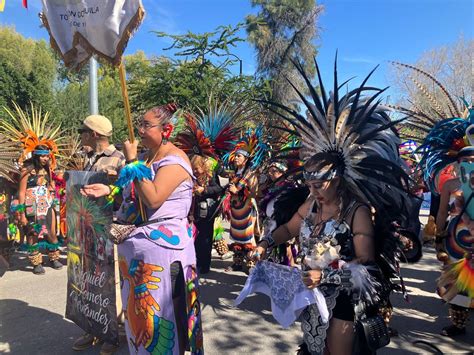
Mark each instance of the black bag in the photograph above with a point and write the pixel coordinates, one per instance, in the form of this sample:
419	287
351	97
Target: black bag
375	332
206	208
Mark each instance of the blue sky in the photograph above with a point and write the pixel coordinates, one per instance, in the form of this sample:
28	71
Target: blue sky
365	32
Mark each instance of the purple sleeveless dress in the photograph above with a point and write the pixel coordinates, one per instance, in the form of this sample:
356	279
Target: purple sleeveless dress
145	259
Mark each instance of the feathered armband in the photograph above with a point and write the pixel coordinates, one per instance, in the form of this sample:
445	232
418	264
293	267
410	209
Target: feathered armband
137	170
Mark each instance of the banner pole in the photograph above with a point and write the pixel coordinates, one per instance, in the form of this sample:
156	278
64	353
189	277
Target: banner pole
128	116
126	103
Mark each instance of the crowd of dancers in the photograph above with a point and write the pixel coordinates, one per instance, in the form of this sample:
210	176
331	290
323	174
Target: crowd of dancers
324	189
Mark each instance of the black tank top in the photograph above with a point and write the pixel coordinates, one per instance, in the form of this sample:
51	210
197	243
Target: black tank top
337	232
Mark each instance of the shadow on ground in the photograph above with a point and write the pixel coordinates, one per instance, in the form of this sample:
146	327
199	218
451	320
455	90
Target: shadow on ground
423	317
250	327
39	336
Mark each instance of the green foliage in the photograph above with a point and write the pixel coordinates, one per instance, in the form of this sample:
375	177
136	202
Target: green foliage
73	101
14	86
201	47
30	71
27	70
190	82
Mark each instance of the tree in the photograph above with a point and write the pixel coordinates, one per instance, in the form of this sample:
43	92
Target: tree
72	100
206	46
190	81
451	65
282	31
27	70
14	86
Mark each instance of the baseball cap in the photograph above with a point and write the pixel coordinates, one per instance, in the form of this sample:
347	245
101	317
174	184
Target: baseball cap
99	124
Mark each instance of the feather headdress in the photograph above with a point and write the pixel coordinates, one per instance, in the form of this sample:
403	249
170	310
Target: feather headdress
437	105
440	126
212	131
9	153
32	131
252	146
441	146
287	150
71	156
354	136
192	139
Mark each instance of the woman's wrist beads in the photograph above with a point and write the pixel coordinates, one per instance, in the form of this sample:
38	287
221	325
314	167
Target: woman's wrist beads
131	161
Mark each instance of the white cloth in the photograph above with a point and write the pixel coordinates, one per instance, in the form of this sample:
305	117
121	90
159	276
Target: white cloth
80	28
288	295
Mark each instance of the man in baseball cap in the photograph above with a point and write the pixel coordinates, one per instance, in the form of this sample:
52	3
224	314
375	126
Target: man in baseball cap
99	124
104	157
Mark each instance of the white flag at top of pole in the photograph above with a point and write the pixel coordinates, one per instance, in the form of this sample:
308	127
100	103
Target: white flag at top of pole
81	28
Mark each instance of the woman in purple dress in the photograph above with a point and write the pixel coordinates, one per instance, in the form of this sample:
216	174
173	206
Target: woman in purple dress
157	261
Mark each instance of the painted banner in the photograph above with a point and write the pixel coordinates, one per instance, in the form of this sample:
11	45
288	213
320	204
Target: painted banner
80	28
91	292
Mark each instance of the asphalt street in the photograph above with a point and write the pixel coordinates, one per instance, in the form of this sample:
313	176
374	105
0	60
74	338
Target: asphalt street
32	314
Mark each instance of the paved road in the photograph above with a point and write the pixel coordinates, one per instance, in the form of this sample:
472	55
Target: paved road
32	309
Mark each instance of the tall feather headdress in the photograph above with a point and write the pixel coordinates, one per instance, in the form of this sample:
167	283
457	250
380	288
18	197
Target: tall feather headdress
438	104
440	126
32	130
192	139
71	156
354	135
285	149
211	131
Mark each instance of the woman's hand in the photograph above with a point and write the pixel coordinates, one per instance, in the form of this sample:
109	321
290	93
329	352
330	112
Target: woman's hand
312	278
198	189
95	190
233	189
130	150
258	253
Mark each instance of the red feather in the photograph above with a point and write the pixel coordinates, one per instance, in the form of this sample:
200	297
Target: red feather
192	140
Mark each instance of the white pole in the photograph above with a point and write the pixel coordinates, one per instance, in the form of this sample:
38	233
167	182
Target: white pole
93	93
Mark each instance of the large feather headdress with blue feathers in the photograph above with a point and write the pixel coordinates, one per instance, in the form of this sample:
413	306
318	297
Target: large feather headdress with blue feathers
212	131
437	105
352	136
440	126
